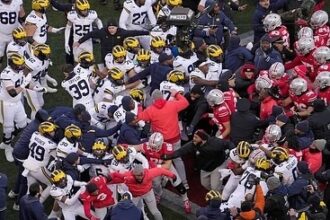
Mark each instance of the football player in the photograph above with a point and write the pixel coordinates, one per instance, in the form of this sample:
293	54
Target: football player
175	79
286	165
99	151
322	57
79	88
70	142
238	162
99	196
319	22
102	116
38	65
246	184
221	112
82	20
280	81
12	13
273	26
137	15
107	88
132	46
125	158
143	59
215	55
157	46
322	81
186	59
19	43
118	58
154	149
85	64
166	10
201	76
301	97
13	116
36	23
62	191
41	147
165	31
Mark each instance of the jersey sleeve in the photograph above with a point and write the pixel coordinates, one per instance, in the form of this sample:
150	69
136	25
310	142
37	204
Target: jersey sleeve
71	16
124	15
31	18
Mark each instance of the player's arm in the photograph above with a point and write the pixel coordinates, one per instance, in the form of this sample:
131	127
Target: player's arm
85	198
21	14
98	23
199	81
158	171
143	160
138	147
226	132
152	17
70	201
123	18
30	29
67	36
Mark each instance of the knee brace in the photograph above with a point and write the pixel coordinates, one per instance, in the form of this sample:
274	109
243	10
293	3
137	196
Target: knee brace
181	189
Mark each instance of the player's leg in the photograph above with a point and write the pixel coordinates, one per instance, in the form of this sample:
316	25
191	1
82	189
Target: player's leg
150	200
7	111
144	41
76	51
33	102
4	40
56	211
179	165
157	186
43	175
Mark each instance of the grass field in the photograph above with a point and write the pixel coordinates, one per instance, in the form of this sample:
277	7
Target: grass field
56	41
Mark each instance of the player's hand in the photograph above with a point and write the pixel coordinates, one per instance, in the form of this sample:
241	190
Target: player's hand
57	30
39	89
76	44
67	49
52	81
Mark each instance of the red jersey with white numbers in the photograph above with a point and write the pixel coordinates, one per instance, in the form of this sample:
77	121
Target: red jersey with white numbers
230	99
324	67
303	101
282	32
154	157
322	36
101	200
222	115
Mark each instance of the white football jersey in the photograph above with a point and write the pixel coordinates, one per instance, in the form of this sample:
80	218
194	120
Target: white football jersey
155	56
38	69
9	78
9	14
98	169
133	156
81	25
196	73
166	87
158	32
79	89
41	149
80	70
245	186
103	90
64	147
101	112
13	47
287	170
185	65
133	17
215	70
58	193
125	66
40	35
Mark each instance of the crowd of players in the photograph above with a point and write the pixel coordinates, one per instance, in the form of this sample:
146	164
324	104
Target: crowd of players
257	115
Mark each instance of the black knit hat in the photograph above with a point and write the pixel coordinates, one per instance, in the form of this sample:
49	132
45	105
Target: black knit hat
91	187
202	134
112	22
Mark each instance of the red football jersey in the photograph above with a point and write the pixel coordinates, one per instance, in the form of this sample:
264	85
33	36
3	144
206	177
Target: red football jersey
325	95
222	115
283	85
322	36
324	67
282	32
102	199
303	101
230	99
153	156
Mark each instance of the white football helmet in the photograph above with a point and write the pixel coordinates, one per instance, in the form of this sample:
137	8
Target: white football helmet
323	79
298	86
263	82
305	32
215	97
276	70
271	22
305	45
318	19
322	54
156	141
273	133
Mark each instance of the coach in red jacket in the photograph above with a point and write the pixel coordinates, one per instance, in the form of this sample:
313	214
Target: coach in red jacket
139	183
163	116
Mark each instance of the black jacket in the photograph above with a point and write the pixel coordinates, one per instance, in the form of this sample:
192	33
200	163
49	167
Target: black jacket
193	113
209	155
108	41
319	122
31	209
125	210
243	125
